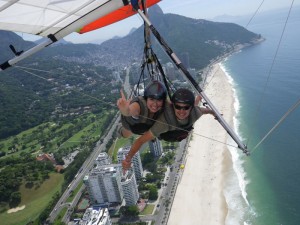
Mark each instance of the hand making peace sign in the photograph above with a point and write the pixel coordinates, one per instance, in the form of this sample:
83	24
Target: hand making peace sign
123	104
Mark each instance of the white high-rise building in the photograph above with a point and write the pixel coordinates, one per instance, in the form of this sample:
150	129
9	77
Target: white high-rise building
104	185
155	147
130	188
103	159
136	161
94	216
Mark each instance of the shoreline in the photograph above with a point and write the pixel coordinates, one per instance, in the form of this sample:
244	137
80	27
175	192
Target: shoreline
200	198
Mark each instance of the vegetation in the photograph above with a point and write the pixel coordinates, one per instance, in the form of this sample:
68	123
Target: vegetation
35	200
59	94
16	171
20	168
74	192
148	209
129	211
201	36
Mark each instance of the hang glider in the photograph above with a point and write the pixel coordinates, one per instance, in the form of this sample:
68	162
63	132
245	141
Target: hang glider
55	19
192	81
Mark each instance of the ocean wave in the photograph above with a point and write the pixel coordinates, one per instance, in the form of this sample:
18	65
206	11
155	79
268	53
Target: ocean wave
236	181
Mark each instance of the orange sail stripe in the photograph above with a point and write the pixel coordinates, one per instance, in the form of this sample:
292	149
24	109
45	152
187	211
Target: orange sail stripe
113	17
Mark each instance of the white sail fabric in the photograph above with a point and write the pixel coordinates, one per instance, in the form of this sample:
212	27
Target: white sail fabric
58	17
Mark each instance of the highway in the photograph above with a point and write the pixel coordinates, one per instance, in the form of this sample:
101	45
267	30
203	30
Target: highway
165	200
86	167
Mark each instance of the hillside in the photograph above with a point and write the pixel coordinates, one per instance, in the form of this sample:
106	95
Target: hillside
52	93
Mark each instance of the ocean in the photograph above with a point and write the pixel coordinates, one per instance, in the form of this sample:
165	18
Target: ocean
264	188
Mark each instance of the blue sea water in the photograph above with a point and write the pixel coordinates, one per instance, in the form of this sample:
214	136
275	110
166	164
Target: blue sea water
267	86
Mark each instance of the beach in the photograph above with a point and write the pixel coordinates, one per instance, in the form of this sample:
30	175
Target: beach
199	198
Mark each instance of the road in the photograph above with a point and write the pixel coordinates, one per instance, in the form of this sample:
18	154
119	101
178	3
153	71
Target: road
85	168
88	164
164	204
168	192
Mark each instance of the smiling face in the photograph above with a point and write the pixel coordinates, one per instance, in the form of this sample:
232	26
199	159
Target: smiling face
182	111
154	105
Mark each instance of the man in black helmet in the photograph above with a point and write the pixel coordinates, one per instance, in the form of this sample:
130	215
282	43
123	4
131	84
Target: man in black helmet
139	114
173	124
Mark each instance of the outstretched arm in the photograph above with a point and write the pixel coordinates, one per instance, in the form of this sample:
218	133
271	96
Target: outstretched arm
137	144
207	111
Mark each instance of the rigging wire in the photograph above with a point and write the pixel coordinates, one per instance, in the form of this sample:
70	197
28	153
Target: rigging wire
22	68
206	84
271	68
291	109
254	13
33	74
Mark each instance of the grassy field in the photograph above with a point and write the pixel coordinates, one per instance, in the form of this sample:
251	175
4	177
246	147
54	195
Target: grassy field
148	210
31	140
35	201
118	143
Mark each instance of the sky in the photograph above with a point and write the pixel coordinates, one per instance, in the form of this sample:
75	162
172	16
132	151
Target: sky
199	9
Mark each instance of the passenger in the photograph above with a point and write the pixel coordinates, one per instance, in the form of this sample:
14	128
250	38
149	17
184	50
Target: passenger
138	115
174	124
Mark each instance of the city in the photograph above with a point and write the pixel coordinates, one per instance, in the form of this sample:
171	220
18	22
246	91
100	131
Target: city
109	188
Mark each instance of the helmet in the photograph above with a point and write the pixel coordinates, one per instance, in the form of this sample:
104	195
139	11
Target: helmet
155	90
183	95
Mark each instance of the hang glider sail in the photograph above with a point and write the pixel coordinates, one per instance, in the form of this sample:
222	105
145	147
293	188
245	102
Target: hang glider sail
55	19
115	16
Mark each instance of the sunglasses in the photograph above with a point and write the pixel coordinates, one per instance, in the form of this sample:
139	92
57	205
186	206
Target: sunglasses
178	107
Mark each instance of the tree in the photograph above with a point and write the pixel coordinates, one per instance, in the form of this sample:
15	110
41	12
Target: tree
15	199
153	193
2	153
130	211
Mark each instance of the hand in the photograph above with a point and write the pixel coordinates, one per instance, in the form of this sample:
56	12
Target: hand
197	100
126	164
215	116
123	104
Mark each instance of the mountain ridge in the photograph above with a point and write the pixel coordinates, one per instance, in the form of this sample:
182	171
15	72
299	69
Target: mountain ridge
203	40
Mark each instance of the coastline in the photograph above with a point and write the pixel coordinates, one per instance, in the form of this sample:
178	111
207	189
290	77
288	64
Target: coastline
199	198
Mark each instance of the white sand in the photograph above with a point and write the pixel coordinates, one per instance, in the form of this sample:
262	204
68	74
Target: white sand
16	209
199	198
